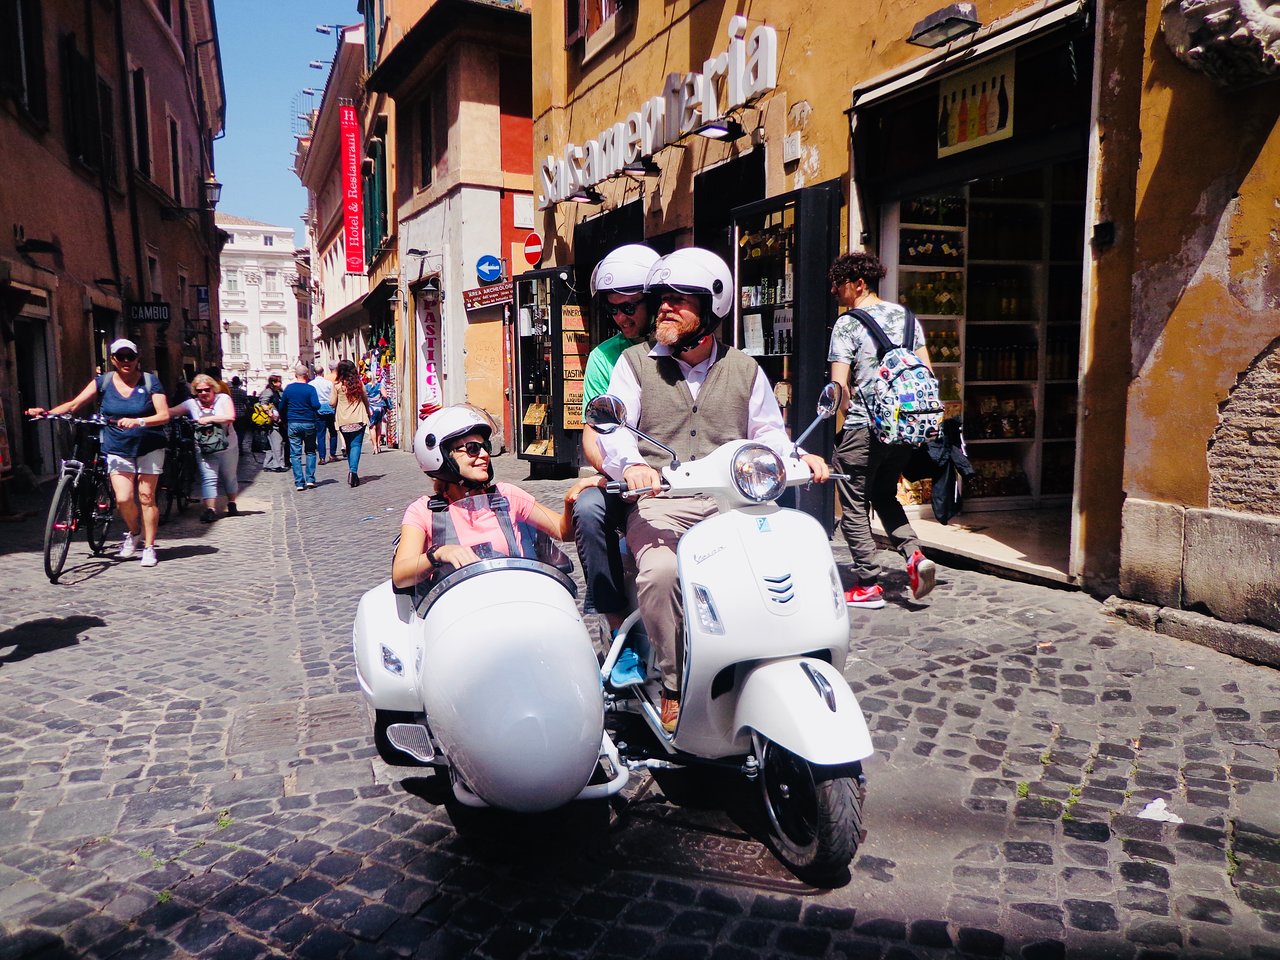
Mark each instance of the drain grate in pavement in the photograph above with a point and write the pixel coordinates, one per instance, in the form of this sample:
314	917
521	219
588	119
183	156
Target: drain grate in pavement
270	726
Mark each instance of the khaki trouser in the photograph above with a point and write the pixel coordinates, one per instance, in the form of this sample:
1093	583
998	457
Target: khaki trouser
653	529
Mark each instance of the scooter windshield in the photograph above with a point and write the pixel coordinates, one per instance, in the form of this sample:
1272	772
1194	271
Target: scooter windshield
499	539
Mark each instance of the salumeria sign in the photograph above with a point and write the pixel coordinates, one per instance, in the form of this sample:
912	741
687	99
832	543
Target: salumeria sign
746	70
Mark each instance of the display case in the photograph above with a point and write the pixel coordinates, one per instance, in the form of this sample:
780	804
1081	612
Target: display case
784	311
993	271
552	344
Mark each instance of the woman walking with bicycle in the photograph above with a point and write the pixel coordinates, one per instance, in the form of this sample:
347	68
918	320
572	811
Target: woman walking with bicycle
214	415
134	443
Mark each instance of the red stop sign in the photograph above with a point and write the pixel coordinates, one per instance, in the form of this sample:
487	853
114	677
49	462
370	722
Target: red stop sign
533	249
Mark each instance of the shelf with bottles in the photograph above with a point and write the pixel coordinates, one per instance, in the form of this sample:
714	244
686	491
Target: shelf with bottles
934	210
997	476
1002	360
1000	414
932	293
931	246
1003	293
943	341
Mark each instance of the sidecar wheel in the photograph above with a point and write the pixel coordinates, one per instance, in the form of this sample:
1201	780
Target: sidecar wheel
813	813
386	750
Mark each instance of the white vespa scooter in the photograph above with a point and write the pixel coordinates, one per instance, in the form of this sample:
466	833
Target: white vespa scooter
489	674
766	639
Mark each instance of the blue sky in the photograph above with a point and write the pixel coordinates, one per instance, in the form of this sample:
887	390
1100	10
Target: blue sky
266	47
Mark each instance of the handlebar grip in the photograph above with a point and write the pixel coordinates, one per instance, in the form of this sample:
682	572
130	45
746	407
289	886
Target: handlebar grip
615	486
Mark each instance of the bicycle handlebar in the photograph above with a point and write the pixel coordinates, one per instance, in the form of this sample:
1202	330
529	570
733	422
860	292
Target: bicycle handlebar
97	420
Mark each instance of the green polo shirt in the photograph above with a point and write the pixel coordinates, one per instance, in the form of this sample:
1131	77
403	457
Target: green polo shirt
595	380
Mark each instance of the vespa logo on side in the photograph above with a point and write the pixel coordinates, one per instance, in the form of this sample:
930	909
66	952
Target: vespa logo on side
746	70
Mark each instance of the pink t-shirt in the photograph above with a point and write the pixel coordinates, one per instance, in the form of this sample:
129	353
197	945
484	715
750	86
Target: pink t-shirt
473	526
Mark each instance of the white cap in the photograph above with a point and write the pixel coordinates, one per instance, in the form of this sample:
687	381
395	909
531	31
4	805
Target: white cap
122	344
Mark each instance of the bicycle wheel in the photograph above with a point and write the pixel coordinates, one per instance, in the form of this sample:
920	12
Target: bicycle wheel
60	527
99	509
170	484
186	476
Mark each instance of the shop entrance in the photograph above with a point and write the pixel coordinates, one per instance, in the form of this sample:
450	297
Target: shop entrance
35	445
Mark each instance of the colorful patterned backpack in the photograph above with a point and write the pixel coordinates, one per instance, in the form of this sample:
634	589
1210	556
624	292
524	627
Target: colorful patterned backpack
902	400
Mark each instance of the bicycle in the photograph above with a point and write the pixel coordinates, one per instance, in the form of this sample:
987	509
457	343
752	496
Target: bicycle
180	468
83	495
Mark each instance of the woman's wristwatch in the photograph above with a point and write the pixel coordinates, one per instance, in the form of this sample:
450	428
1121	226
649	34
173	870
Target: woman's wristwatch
433	555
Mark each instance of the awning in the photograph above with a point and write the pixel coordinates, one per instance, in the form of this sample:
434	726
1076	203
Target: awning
356	313
992	38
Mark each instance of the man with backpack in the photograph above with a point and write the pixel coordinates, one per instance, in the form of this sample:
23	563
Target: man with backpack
892	408
243	405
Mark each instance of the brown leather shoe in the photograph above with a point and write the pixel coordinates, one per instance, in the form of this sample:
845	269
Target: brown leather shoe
670	713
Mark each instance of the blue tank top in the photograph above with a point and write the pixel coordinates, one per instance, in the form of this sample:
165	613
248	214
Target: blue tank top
140	440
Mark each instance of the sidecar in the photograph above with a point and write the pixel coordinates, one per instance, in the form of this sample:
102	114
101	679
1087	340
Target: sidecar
490	673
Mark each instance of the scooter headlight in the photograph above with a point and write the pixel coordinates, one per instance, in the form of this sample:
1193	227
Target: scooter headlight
758	473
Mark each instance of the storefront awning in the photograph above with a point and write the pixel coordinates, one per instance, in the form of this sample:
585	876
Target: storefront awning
356	313
992	38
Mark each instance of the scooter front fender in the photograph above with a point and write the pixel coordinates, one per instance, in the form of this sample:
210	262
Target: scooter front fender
805	706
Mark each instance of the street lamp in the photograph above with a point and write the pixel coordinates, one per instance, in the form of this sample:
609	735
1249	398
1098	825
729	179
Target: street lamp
211	193
942	26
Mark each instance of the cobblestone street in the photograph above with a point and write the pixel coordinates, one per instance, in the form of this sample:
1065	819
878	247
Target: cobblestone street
187	769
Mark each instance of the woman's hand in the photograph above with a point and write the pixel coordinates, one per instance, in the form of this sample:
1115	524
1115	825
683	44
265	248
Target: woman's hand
573	493
35	411
455	555
129	423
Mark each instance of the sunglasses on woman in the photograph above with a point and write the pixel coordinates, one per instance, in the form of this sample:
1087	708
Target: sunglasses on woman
629	309
126	357
473	447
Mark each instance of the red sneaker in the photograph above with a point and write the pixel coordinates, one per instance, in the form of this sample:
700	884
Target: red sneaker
921	571
871	597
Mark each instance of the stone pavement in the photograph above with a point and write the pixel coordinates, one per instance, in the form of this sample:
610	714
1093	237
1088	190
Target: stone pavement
186	769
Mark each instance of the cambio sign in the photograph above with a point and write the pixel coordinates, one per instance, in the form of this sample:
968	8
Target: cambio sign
746	70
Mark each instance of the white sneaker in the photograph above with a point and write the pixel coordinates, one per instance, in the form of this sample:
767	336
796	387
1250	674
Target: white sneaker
128	547
149	557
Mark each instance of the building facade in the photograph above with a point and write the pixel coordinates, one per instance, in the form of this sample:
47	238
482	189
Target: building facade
1086	295
108	115
261	329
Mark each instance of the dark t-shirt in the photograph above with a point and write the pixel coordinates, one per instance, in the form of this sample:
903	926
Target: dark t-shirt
138	403
300	404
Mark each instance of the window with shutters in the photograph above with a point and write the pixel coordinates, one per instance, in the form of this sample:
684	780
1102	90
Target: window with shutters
80	104
584	18
141	123
175	160
22	67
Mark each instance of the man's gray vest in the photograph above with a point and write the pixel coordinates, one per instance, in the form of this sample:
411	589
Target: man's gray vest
668	412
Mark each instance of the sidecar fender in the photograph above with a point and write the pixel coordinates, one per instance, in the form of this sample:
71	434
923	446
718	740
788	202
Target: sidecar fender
386	651
806	706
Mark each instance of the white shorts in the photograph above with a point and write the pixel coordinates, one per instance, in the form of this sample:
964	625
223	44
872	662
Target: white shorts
149	464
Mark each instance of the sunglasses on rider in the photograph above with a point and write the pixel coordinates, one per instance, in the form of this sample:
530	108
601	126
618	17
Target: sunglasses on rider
125	356
629	309
473	447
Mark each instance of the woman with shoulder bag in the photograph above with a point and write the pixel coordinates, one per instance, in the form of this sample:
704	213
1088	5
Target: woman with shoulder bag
351	415
218	448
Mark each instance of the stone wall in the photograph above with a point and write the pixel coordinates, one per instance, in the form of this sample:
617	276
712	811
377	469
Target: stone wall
1244	454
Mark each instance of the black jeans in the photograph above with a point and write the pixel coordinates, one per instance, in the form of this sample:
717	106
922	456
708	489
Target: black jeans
597	518
873	469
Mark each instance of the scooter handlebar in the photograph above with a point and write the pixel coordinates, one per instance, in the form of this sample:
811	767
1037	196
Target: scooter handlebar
620	487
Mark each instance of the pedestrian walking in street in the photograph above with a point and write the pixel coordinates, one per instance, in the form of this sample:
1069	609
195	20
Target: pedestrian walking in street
269	409
217	445
351	414
452	447
873	467
134	444
243	404
617	283
378	406
326	433
300	411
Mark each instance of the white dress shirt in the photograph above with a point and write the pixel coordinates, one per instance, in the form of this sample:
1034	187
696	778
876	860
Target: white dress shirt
764	418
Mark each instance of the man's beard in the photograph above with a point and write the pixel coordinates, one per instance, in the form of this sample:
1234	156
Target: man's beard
669	334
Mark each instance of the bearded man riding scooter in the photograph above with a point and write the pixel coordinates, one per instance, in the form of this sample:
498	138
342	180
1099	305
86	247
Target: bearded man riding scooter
691	392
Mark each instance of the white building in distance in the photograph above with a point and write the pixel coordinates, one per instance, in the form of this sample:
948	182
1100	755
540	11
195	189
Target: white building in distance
260	322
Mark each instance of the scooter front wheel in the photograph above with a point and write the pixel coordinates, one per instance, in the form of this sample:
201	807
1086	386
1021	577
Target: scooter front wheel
814	814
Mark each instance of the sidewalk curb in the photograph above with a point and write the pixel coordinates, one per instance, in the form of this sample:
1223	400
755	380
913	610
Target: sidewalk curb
1240	640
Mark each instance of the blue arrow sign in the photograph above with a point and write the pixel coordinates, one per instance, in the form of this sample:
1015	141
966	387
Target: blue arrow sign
488	268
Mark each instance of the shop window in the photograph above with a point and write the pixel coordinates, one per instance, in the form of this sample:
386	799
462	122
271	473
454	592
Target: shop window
22	75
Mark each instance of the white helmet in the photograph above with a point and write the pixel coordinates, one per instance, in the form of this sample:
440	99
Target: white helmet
435	434
694	270
623	270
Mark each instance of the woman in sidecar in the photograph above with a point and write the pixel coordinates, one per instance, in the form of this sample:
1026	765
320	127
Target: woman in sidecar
466	519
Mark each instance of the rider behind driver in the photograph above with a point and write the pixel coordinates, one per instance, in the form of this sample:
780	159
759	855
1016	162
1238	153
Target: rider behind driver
452	447
693	393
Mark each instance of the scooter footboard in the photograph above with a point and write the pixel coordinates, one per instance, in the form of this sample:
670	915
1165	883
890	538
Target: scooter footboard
805	706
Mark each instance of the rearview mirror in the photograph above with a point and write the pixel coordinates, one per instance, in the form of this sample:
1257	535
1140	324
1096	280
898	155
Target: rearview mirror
605	413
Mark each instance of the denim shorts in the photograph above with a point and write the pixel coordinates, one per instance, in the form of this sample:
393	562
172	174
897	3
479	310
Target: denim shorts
151	464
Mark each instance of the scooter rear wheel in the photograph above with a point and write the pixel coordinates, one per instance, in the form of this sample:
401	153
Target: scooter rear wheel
814	815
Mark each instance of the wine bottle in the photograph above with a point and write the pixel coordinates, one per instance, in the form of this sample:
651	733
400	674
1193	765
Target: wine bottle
942	126
1002	100
984	106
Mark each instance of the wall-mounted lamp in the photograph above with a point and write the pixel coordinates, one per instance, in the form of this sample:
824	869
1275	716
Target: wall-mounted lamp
588	195
723	128
211	193
642	167
320	64
942	26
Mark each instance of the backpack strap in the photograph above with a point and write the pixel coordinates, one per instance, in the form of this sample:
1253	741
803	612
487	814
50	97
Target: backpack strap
874	330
